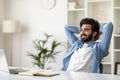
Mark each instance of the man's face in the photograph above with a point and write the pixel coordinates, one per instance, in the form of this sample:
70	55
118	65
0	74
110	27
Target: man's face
86	33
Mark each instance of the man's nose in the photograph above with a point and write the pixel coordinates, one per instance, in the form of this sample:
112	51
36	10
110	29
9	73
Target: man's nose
82	32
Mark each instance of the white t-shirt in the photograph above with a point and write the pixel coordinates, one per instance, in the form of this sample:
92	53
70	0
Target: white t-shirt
81	59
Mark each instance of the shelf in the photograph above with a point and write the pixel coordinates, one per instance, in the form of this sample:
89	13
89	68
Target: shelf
117	8
98	0
117	50
100	10
103	11
106	63
116	35
75	14
116	4
81	9
103	21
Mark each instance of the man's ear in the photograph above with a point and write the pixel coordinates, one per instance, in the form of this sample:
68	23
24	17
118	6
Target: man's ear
94	34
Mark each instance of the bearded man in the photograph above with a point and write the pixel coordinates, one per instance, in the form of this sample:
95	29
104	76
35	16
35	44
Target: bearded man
86	54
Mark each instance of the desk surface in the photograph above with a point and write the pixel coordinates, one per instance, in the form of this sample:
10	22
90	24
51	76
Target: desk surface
62	76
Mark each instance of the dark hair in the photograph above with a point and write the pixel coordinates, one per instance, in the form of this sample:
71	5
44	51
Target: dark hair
94	23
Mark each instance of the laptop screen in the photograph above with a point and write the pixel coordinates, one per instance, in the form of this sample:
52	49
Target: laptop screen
3	61
4	66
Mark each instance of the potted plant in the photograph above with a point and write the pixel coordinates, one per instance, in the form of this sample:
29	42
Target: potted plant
44	54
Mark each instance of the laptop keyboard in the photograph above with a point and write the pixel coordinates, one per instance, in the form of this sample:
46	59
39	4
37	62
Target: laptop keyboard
16	70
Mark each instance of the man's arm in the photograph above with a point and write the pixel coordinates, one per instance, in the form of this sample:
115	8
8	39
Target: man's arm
107	30
70	32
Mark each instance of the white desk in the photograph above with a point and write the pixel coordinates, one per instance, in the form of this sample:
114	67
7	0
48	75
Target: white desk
62	76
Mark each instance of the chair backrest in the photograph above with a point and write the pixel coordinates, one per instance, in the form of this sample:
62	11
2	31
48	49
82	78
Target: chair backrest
101	68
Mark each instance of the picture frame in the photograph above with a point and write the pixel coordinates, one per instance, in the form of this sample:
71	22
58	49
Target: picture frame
117	68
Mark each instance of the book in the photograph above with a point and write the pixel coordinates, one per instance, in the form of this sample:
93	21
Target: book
38	73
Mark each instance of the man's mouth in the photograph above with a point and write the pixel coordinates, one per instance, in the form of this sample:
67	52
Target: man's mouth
83	36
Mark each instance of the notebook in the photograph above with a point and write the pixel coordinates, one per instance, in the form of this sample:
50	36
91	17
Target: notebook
4	66
39	73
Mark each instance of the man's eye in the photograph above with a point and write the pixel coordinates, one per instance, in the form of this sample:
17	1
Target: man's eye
86	29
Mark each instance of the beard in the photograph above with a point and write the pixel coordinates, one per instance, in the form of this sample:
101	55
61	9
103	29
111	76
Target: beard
86	38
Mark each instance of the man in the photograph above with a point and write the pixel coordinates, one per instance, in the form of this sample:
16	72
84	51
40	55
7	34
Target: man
85	55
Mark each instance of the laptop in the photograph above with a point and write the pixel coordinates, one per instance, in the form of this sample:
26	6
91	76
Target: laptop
4	66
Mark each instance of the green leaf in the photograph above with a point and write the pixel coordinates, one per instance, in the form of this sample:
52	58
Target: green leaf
44	54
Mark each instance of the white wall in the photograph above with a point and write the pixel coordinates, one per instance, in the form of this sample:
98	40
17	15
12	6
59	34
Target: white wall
34	20
1	18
